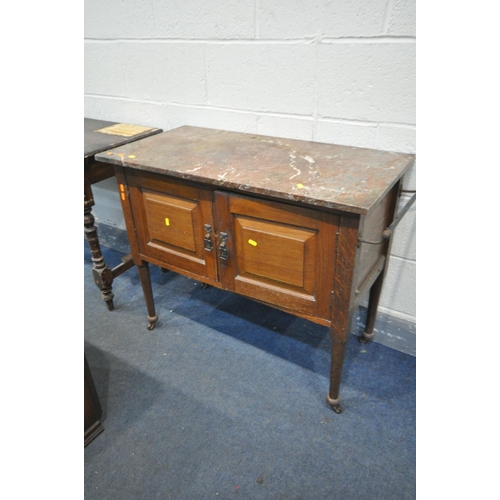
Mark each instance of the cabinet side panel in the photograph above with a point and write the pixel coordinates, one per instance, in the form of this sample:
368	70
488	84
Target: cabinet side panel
372	226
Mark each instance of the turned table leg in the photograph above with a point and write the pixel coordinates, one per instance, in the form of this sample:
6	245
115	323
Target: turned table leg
145	278
102	274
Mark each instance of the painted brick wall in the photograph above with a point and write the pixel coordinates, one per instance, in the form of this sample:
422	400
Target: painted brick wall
340	71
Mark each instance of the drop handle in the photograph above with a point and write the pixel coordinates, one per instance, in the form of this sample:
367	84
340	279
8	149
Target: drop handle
223	250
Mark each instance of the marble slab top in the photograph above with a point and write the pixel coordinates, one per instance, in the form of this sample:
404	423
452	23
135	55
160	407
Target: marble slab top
324	175
100	135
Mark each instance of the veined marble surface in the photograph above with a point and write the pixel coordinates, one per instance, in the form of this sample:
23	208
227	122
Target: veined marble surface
327	175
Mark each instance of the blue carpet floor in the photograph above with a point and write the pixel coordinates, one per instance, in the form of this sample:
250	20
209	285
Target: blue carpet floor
225	399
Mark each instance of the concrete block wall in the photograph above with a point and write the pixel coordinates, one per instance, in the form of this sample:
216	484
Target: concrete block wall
339	71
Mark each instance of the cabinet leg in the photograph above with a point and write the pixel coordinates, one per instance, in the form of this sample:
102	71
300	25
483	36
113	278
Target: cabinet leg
148	293
103	277
375	292
339	344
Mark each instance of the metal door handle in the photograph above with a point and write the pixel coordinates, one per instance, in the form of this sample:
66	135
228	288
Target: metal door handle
208	245
223	251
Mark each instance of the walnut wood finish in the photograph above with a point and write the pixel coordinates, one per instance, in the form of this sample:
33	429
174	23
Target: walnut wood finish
277	253
263	238
170	217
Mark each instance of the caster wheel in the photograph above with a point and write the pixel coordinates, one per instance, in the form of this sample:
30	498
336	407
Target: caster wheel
365	338
152	322
334	404
337	409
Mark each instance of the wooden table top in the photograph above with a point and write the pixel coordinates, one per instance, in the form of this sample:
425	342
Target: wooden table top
101	135
325	175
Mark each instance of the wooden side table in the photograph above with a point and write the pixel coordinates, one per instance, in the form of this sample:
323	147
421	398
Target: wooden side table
101	135
301	226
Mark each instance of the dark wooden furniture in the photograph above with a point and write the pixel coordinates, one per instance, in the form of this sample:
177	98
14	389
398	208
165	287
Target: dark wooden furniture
99	136
301	226
92	408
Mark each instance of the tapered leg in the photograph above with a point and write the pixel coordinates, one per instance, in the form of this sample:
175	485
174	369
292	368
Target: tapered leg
148	293
102	274
339	344
375	292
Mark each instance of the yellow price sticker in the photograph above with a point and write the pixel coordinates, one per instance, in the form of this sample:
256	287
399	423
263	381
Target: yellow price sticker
167	221
252	242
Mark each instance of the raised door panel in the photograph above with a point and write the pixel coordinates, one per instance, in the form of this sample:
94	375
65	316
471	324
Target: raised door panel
174	224
278	253
172	221
275	252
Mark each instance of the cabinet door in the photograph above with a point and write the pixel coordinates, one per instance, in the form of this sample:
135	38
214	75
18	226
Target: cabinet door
277	253
174	223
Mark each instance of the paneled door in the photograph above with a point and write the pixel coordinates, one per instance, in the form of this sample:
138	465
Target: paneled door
277	253
176	224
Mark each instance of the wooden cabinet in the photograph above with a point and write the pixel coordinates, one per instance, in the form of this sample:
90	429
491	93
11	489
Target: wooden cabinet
270	251
297	225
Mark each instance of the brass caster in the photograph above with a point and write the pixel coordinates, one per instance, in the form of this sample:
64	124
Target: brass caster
152	322
334	404
366	337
